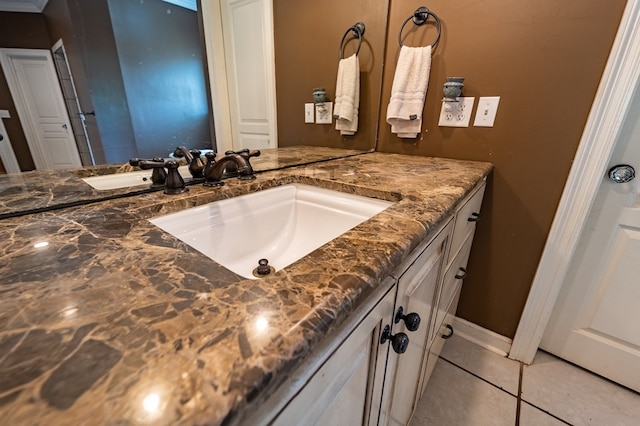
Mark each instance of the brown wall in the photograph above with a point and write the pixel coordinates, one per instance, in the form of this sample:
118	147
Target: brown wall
307	43
544	59
24	31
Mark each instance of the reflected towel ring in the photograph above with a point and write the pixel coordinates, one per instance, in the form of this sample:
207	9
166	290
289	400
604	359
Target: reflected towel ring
420	16
358	32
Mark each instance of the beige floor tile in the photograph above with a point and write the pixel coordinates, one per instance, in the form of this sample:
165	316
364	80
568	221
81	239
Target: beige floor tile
577	396
502	372
455	397
531	416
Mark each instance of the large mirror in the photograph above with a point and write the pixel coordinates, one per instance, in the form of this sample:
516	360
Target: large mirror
142	78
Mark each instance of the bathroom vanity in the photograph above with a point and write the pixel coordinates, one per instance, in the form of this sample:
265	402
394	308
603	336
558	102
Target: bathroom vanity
107	319
360	377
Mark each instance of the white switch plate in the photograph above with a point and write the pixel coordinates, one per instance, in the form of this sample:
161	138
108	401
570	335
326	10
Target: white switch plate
487	110
324	113
456	114
308	113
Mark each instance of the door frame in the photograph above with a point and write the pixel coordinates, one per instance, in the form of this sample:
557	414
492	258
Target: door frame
24	112
611	105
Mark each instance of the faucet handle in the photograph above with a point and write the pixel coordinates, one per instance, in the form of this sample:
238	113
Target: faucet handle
159	175
254	153
196	166
244	153
175	183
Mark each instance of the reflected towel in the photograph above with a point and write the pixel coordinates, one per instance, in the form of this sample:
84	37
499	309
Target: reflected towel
345	110
408	91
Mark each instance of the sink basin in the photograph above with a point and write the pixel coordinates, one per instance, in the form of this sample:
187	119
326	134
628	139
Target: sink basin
124	180
281	224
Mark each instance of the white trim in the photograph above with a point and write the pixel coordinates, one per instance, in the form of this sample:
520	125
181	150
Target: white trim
487	339
214	44
604	124
271	71
27	6
9	160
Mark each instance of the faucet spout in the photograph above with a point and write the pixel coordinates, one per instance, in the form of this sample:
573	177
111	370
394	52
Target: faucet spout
238	162
181	152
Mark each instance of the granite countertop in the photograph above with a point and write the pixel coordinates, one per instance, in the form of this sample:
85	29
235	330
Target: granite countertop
37	191
116	322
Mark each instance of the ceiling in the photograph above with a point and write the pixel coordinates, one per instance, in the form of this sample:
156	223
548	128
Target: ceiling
37	6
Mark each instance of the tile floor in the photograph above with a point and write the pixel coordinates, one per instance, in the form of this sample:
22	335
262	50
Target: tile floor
472	386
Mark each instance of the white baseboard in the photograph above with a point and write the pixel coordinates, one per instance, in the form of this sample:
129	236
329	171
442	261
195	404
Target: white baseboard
494	342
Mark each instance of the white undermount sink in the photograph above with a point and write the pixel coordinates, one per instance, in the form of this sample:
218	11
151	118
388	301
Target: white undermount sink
281	224
124	180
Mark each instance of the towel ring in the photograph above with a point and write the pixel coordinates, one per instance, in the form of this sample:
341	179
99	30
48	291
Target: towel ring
420	16
358	32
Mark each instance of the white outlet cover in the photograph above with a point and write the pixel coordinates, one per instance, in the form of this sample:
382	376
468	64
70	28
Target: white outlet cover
324	113
487	110
456	114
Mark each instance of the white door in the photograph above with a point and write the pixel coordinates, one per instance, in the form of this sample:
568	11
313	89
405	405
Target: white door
248	40
596	319
35	90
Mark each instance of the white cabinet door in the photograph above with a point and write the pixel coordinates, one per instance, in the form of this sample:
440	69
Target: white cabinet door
417	291
347	389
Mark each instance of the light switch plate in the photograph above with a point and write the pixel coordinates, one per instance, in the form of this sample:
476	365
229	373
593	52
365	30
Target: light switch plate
324	113
308	113
456	114
487	110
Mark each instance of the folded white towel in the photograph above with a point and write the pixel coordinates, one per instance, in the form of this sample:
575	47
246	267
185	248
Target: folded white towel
408	91
345	110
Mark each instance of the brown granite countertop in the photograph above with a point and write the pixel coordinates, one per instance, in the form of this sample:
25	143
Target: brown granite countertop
116	322
37	191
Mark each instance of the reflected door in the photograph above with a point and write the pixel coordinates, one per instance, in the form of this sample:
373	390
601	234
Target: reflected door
36	92
248	41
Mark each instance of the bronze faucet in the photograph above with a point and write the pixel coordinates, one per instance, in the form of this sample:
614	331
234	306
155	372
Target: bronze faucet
237	161
181	152
174	182
193	160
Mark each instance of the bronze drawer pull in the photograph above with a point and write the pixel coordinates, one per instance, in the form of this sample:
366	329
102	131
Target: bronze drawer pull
474	217
463	275
447	336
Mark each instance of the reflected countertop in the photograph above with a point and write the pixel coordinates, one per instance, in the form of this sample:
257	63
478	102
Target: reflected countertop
37	191
106	319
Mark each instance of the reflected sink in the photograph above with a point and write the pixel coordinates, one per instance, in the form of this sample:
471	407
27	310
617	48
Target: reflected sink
124	180
281	224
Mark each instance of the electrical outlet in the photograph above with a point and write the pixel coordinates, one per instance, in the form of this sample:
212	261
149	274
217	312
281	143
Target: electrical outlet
324	113
308	113
456	114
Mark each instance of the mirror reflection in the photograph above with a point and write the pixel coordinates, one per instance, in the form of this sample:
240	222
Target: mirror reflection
141	78
132	77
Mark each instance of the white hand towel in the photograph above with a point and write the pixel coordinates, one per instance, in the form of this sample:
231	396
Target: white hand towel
345	110
408	91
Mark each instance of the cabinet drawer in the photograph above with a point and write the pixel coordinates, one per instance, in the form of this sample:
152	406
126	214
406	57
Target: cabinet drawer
443	333
465	222
452	282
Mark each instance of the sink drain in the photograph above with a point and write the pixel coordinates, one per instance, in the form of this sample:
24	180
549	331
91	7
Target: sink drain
263	269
